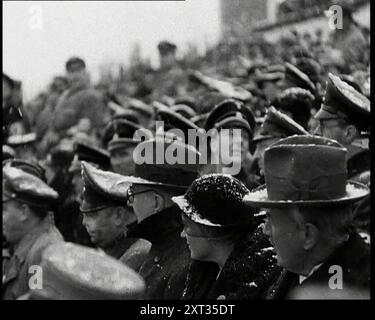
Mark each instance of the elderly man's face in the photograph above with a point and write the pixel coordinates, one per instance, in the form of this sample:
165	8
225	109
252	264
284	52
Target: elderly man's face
103	225
286	236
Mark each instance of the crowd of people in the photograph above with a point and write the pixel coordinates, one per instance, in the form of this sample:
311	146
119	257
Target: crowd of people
79	202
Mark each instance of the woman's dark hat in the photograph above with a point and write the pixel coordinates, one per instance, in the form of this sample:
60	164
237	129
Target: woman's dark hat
215	200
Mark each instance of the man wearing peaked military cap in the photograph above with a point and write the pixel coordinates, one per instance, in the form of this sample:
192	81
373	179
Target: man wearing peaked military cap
314	209
74	272
27	227
159	218
107	217
24	145
276	126
296	103
343	116
232	114
127	134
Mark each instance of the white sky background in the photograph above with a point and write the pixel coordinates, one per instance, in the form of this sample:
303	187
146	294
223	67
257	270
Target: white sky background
98	31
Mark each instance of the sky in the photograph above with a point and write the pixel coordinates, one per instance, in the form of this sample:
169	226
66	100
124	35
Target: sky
39	36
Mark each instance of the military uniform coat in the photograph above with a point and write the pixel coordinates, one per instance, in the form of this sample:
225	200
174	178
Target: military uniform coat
27	253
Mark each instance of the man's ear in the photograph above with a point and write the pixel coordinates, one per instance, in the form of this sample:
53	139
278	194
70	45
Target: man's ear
25	212
159	202
311	236
118	215
351	133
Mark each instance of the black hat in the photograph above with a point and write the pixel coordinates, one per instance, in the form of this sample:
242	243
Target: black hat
278	125
139	106
9	81
158	171
310	67
342	101
166	47
184	110
231	113
298	78
102	189
27	188
74	61
8	152
74	272
173	120
298	102
28	166
306	171
209	100
124	131
215	200
187	101
92	154
109	130
22	139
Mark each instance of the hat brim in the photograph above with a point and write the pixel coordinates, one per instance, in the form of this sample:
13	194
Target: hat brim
325	115
192	213
259	198
140	181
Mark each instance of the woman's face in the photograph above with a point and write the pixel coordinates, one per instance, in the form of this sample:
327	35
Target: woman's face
200	247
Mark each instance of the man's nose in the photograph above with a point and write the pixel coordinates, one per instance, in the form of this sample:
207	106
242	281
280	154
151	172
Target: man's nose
266	228
183	234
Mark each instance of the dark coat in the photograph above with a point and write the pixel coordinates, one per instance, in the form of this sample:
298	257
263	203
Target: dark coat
28	253
354	259
76	104
247	274
166	266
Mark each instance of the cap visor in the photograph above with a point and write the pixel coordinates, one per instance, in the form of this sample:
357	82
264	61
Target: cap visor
325	115
259	198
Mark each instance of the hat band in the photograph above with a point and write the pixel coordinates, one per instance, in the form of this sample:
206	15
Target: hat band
320	188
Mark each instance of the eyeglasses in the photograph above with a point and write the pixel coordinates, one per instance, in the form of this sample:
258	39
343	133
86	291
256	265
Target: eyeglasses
131	193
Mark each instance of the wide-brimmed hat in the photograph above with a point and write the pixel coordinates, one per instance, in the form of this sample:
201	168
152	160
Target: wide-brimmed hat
307	171
74	272
215	200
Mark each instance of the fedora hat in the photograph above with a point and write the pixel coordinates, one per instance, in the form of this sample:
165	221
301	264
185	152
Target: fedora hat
308	171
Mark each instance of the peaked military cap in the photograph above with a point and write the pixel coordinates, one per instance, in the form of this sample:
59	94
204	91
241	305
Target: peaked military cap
28	166
27	188
152	163
21	140
86	152
278	125
173	120
231	113
184	110
140	106
75	272
102	189
298	102
306	171
342	101
124	131
8	152
297	77
166	47
215	200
